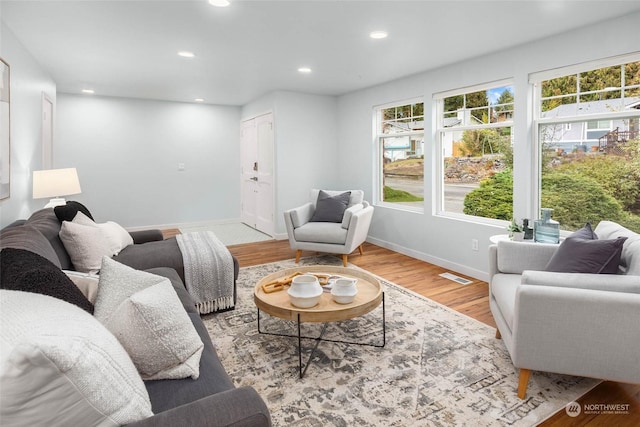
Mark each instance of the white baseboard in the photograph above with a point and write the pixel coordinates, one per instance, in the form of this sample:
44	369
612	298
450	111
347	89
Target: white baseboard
183	225
459	268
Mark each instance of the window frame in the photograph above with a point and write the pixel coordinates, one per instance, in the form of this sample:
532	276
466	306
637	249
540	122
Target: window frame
438	132
378	140
537	121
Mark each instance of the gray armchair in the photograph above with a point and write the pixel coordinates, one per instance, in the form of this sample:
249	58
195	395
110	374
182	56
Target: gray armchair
332	237
568	323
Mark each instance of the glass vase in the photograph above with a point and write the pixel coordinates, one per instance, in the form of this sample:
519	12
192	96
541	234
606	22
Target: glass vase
546	230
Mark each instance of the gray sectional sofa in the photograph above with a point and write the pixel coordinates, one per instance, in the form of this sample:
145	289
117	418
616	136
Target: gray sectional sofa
211	399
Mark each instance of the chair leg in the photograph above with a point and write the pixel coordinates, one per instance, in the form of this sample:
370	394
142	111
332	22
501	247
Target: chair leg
523	381
298	254
344	259
498	334
361	250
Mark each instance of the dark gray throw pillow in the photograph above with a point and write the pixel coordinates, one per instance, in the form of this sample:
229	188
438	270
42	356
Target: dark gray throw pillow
585	233
22	270
330	208
576	255
68	212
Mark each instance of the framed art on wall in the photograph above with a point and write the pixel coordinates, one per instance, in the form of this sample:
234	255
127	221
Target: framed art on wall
5	134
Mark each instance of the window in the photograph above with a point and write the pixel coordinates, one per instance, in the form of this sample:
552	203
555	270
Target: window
474	131
400	136
588	123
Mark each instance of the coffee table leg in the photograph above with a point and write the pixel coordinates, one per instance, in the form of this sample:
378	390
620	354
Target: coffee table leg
303	371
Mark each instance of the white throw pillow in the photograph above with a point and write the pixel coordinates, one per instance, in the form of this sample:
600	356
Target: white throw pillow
116	236
87	283
85	244
144	312
60	367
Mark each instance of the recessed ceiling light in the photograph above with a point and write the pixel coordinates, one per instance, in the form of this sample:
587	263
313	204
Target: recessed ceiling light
88	91
378	34
219	3
199	99
186	54
304	70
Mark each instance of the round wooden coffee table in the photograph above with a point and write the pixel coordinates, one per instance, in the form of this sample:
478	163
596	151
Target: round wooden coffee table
370	295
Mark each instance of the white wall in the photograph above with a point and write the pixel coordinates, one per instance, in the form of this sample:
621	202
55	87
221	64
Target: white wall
28	82
127	153
306	146
444	241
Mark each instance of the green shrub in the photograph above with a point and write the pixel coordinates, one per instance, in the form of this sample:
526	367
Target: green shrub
577	199
493	199
618	176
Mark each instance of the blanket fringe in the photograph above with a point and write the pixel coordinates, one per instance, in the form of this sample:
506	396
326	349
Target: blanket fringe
216	305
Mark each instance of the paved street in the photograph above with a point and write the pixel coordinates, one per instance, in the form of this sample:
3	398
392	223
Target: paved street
453	193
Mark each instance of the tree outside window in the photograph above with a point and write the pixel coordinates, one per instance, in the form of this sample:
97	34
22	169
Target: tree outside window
589	141
475	136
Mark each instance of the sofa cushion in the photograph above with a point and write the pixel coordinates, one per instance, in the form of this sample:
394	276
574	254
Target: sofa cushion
330	208
321	232
60	366
143	311
29	238
163	253
22	270
45	222
213	378
85	244
68	212
585	232
576	255
630	258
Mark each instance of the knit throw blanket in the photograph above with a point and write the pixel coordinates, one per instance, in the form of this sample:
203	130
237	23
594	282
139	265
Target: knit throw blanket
208	271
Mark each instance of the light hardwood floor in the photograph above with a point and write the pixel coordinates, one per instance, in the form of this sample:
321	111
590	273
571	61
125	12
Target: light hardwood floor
472	300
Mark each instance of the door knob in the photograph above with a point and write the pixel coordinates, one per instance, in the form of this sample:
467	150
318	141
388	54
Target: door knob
254	178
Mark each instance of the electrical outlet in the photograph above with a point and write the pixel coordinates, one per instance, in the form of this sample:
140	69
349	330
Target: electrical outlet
181	167
474	244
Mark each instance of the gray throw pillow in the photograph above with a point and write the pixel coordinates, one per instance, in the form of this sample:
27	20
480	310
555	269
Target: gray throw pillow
330	208
585	232
576	255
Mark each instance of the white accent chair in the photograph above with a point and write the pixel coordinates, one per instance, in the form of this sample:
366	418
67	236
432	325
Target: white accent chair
567	323
331	237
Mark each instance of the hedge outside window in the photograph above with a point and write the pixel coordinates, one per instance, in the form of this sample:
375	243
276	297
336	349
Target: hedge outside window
588	136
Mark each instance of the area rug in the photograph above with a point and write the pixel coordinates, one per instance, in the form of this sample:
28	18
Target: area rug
438	367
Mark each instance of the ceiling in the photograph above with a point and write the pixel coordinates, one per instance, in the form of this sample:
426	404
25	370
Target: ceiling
129	48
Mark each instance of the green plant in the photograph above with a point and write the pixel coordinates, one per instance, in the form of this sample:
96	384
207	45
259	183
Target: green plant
577	199
514	227
394	196
493	199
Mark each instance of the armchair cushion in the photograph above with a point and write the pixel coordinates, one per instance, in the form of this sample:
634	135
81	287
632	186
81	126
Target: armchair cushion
321	232
330	208
576	255
596	282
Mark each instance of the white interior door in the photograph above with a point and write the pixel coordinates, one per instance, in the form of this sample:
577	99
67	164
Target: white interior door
264	211
257	142
47	132
249	158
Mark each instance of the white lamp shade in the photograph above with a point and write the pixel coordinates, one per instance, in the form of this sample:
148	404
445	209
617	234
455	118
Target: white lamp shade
55	183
